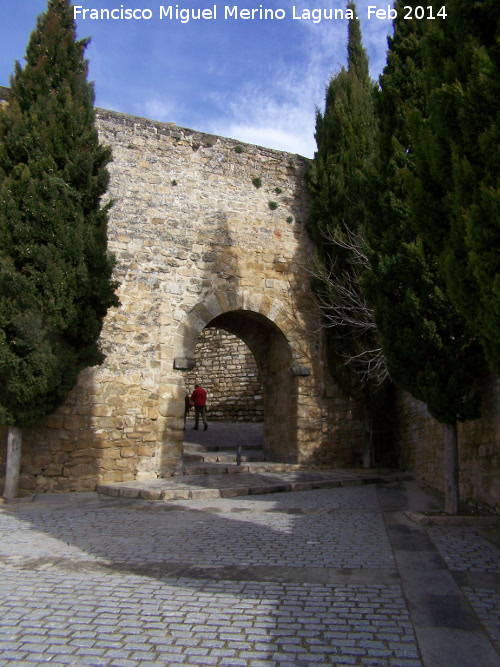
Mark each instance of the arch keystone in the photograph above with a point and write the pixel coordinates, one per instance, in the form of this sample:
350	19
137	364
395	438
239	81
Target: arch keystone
254	302
214	306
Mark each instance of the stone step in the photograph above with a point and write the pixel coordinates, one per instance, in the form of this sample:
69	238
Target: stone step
213	481
230	447
221	457
257	467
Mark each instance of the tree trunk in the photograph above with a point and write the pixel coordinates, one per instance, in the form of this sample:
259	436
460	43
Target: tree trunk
13	467
451	501
367	428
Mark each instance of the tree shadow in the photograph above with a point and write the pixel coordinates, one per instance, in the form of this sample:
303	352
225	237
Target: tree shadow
280	573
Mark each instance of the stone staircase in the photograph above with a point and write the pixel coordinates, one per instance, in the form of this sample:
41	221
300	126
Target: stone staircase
194	453
210	470
220	444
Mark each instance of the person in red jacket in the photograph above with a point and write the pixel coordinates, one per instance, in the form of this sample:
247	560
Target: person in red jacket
199	398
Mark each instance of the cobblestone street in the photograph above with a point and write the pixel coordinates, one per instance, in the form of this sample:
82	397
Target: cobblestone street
327	577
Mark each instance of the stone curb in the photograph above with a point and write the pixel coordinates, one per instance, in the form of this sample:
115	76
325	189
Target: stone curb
180	492
423	519
22	499
178	487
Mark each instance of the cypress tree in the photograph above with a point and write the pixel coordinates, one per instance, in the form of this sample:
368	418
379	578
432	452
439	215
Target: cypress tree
429	349
345	137
455	195
55	272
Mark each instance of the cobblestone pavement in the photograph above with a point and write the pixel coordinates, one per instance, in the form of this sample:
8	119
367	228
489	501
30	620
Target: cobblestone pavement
466	551
282	580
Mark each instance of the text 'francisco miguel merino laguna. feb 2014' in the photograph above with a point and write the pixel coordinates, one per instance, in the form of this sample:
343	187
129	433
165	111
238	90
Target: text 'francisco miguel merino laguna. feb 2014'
261	13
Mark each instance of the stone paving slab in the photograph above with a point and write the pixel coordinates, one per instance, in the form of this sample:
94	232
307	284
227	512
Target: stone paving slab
220	481
333	576
224	436
127	621
464	519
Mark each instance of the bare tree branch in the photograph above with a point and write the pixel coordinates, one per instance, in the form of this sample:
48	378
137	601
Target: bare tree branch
343	305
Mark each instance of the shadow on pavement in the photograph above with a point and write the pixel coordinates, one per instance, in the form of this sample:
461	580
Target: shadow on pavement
305	576
295	567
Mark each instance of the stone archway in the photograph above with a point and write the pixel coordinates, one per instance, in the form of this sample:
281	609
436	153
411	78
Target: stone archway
195	240
274	358
291	410
227	370
258	325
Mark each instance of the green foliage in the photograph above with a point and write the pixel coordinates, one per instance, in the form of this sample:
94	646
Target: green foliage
239	149
173	182
55	273
289	219
278	190
430	351
455	194
257	181
273	205
345	137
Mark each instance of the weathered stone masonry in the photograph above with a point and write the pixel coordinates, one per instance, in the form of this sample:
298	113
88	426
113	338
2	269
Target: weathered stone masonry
197	245
226	368
420	438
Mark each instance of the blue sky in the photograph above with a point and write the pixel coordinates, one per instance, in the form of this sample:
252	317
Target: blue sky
257	81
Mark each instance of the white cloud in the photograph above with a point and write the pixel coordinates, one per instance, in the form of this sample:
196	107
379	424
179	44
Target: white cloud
157	109
274	104
275	121
272	137
280	113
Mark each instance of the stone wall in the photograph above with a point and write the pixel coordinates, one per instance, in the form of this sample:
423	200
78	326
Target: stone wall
199	247
421	442
227	370
207	232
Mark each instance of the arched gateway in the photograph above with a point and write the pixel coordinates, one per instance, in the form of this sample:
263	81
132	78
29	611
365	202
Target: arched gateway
206	233
268	332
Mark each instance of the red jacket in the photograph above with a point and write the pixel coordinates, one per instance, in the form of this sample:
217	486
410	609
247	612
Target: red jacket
199	397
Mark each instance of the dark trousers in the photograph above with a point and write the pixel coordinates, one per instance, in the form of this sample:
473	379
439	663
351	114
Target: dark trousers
199	410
